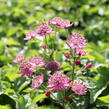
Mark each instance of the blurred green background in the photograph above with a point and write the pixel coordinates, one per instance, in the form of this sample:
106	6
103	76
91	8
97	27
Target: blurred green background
18	16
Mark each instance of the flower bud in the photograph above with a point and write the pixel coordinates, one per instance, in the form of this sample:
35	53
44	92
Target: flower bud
47	92
67	97
44	46
67	55
89	65
78	62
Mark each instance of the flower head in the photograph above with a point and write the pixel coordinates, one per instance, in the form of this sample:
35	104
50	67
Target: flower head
37	61
58	81
37	81
44	29
60	22
76	41
26	68
79	88
30	34
19	58
53	65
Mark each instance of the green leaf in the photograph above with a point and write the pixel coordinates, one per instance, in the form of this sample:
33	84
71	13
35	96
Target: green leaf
12	73
104	99
26	83
47	107
36	99
95	92
5	107
21	103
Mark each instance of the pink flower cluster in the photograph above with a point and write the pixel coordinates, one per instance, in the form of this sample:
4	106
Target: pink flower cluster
58	81
43	30
57	21
27	67
79	88
77	42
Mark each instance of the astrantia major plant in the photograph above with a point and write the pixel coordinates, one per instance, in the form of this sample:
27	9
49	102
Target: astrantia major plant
48	74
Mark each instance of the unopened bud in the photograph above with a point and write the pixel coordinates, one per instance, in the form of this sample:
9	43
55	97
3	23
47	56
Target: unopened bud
89	65
67	55
44	46
78	62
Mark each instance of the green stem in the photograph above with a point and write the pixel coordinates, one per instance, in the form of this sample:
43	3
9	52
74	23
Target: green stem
73	64
67	32
46	41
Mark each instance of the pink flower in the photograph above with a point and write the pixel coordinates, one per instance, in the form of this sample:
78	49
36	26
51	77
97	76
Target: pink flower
37	61
37	81
76	41
81	52
26	68
19	58
60	22
53	66
89	65
79	88
30	34
67	55
58	81
44	29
